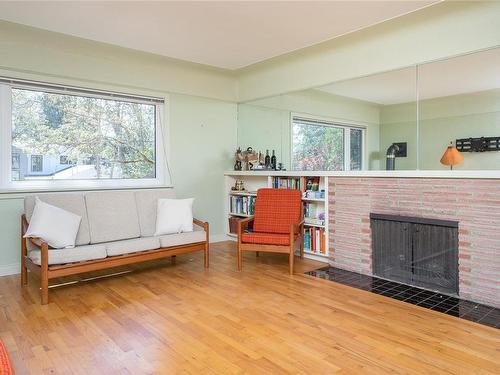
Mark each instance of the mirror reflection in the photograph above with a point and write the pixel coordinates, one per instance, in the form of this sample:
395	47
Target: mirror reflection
460	100
376	122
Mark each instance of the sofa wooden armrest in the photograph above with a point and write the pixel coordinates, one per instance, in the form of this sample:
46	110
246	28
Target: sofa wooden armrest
26	263
200	223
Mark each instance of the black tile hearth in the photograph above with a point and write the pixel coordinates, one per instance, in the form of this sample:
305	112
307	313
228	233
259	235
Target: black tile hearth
439	302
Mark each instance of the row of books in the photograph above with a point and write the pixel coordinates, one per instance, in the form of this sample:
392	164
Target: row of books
315	240
287	183
242	205
301	183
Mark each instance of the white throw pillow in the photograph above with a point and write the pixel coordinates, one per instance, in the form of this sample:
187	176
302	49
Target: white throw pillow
174	216
54	225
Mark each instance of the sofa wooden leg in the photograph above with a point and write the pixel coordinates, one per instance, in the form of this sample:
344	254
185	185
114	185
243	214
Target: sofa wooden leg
44	274
44	290
207	260
24	253
173	259
24	273
290	262
24	270
256	253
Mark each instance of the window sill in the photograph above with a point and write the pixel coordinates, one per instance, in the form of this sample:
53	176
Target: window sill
21	191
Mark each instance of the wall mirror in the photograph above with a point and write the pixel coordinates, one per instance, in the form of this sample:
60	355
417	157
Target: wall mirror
460	100
403	119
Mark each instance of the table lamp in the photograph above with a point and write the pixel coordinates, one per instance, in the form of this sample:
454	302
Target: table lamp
451	156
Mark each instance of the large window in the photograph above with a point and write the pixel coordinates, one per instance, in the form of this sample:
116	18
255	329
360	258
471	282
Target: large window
319	145
78	137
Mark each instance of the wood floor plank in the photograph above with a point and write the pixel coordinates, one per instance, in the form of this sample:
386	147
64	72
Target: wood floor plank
183	319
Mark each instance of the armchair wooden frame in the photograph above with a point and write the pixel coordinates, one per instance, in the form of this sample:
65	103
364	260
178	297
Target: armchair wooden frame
47	272
296	228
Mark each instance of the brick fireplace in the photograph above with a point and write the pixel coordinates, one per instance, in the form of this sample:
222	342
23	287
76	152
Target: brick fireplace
474	203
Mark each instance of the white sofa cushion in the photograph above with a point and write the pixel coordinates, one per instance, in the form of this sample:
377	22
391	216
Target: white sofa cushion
179	239
147	203
174	216
54	225
112	216
132	246
72	202
77	254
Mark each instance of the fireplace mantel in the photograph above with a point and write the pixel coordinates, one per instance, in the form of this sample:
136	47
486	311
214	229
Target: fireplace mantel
447	174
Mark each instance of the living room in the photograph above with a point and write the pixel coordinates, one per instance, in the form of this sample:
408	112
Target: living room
249	187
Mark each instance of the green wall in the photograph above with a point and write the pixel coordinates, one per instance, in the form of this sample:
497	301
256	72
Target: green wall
398	123
266	123
461	116
201	129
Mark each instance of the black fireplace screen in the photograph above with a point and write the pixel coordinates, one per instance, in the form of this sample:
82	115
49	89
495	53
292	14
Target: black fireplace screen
416	251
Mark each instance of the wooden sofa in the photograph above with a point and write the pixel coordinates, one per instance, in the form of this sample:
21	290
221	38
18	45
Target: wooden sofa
117	229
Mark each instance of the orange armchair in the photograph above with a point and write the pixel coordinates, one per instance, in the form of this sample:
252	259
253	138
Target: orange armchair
277	225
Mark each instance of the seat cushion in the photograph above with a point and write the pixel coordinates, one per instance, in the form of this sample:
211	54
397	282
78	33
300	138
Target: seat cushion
132	246
147	204
266	238
72	202
76	254
112	216
276	210
179	239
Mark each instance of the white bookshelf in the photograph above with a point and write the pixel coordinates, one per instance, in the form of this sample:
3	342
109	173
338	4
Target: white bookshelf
256	180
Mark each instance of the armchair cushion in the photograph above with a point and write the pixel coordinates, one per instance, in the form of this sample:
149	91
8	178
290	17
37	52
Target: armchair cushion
276	210
266	238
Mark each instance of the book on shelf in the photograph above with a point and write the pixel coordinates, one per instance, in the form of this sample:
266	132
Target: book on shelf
287	183
244	205
313	214
315	240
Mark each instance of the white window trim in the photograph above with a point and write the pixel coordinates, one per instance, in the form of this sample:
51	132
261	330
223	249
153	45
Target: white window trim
335	123
162	179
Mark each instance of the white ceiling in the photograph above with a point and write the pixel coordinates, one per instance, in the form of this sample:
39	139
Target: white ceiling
465	74
223	34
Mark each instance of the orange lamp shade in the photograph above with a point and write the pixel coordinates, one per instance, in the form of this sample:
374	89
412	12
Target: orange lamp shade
451	156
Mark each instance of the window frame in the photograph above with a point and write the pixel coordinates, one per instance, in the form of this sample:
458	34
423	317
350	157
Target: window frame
162	177
346	126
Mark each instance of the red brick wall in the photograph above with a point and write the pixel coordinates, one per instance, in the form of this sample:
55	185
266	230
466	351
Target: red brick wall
474	203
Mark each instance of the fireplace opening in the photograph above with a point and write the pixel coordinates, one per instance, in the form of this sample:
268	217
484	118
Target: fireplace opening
416	251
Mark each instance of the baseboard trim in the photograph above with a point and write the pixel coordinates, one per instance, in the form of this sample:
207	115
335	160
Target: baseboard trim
219	238
10	269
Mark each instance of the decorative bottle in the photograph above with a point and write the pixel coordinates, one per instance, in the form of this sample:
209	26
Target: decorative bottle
273	161
267	160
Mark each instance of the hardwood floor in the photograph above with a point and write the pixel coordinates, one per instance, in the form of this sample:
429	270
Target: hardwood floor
181	319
